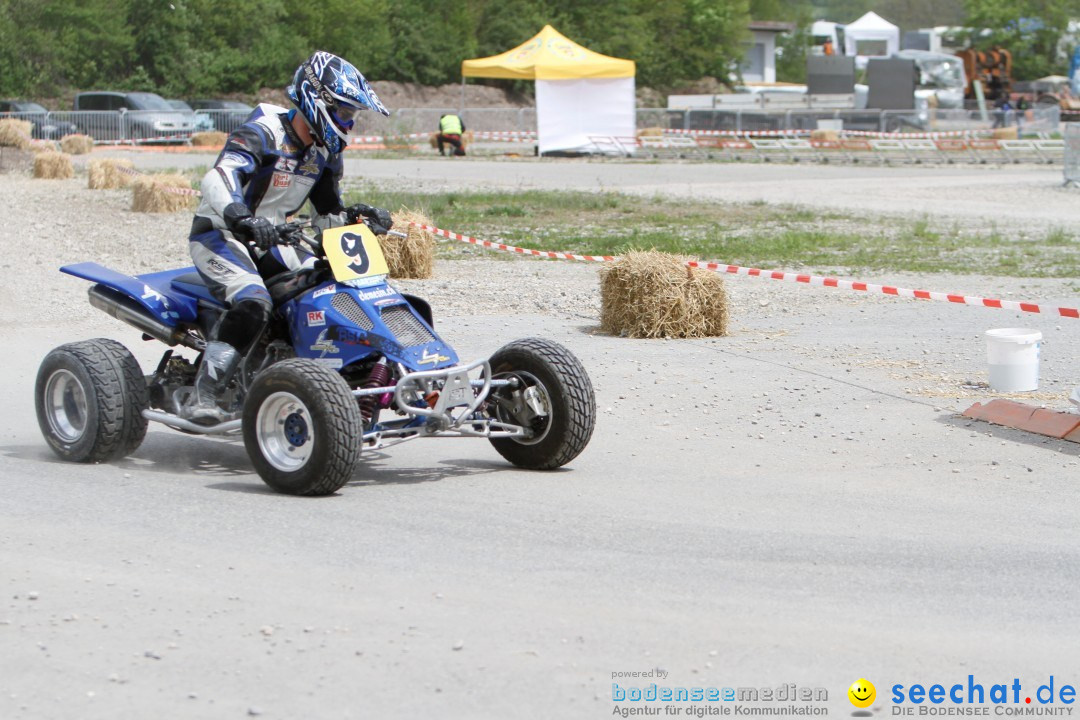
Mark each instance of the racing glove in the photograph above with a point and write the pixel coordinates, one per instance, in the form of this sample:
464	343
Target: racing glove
379	219
258	231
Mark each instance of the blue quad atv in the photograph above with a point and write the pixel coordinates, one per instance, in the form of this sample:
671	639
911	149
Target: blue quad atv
347	362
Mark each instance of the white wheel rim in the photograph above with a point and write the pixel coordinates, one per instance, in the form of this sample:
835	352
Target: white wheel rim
284	431
65	406
530	380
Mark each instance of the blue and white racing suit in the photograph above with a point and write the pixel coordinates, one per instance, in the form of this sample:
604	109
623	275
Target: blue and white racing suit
265	166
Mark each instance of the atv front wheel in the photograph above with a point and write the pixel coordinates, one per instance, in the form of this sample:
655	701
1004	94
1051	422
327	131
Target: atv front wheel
90	397
302	428
554	401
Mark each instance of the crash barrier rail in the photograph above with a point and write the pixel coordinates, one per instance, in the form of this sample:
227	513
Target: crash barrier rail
1041	119
818	280
854	147
1071	163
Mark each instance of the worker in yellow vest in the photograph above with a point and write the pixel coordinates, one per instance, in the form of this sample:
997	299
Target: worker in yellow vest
450	129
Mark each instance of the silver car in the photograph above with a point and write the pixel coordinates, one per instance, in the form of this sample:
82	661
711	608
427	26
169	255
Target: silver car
131	117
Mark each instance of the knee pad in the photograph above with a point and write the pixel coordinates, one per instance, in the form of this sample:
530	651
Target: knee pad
243	323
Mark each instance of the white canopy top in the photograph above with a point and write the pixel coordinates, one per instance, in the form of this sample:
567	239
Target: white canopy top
871	26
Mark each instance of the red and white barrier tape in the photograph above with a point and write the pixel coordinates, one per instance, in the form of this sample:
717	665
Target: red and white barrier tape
738	133
915	135
790	277
889	289
510	248
132	141
501	135
842	133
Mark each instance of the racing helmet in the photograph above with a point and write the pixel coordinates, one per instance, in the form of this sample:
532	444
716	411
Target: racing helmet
328	91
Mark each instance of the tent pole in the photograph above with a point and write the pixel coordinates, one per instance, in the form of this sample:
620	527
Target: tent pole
461	109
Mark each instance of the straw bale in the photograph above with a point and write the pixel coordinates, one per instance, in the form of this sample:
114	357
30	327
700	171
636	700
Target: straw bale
467	139
53	165
106	173
211	138
652	295
77	144
824	135
37	146
1005	133
157	194
411	257
650	132
15	133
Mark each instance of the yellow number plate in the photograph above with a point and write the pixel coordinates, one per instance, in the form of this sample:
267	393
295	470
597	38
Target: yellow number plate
354	252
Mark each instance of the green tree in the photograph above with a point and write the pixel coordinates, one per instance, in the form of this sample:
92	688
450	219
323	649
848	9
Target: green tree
431	38
1032	30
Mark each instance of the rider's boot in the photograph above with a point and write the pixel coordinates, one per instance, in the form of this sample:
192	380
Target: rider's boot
218	364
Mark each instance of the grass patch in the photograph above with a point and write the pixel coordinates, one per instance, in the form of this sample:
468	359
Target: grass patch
756	234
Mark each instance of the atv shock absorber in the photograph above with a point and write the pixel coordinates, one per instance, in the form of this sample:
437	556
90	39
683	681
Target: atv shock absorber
379	377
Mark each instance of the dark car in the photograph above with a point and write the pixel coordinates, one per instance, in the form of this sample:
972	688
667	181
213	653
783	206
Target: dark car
45	125
227	114
132	116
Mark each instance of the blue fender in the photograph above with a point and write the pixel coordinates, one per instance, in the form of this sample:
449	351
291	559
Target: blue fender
152	291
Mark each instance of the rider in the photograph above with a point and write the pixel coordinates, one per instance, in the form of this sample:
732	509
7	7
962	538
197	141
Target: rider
270	166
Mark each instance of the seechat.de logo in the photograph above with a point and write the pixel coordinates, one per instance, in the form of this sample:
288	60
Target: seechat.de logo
862	693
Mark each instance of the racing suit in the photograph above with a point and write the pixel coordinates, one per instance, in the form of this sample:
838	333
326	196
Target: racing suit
265	170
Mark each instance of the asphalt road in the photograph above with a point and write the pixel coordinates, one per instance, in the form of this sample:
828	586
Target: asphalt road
770	508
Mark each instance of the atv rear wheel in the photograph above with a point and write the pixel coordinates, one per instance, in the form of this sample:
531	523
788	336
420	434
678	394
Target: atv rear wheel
302	428
90	397
554	400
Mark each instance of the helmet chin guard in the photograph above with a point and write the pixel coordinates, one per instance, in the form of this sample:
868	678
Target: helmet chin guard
328	91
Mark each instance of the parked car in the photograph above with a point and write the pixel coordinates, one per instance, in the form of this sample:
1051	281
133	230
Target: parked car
203	122
45	126
227	114
140	117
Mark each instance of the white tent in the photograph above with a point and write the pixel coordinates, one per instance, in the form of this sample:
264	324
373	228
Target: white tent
579	93
871	27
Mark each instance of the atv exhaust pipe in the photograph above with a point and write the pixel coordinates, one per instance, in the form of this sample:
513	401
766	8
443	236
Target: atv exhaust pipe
123	308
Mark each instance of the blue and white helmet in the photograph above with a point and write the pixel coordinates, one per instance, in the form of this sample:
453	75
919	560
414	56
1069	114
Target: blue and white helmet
328	92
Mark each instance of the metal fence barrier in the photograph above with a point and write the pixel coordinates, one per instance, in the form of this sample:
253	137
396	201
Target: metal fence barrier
927	120
135	126
1071	162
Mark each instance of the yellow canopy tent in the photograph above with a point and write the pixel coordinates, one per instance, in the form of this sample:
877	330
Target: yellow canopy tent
580	94
549	55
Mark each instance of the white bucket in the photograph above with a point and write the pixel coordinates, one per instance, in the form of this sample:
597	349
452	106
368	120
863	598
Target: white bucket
1013	354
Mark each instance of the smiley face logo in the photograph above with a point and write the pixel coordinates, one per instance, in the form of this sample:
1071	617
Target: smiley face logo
862	693
353	247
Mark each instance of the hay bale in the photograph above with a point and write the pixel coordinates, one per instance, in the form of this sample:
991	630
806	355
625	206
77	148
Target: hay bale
467	139
824	135
157	194
1005	133
37	146
15	133
53	166
650	132
77	144
653	294
210	138
411	257
108	173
